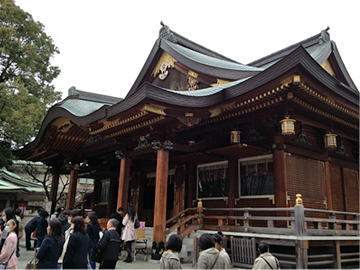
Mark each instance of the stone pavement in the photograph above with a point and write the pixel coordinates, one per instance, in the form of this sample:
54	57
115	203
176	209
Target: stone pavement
26	256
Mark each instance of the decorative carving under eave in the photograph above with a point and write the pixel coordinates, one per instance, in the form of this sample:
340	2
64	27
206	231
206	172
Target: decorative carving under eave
189	121
119	154
168	145
165	57
219	82
341	151
302	138
163	70
154	109
64	128
193	83
253	136
143	142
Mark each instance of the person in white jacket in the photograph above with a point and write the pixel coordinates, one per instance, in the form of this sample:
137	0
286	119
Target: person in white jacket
129	232
218	238
169	260
209	256
265	260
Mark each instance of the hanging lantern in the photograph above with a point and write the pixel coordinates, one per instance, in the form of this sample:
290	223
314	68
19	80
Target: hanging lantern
330	140
235	137
287	126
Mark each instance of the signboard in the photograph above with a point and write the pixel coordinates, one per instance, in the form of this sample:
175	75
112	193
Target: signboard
35	203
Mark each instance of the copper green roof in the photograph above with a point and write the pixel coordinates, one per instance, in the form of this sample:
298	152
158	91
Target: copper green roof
208	60
207	91
80	107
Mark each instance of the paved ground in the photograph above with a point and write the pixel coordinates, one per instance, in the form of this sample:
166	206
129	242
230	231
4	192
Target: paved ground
26	256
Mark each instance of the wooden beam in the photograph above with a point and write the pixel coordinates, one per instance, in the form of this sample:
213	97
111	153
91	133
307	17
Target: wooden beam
70	203
124	179
161	196
54	190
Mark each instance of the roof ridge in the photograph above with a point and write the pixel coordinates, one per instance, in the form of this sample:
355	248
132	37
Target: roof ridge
320	38
166	33
84	95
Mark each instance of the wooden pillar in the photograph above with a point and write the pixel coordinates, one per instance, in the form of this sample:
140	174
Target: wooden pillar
233	185
54	190
161	195
191	185
179	198
111	200
72	189
280	181
328	185
124	179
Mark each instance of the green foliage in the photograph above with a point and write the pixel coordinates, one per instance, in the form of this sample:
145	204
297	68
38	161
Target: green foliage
26	74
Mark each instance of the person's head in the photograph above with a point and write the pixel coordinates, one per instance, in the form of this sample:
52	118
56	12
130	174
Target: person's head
206	241
11	224
78	224
112	223
131	212
263	247
18	212
44	214
54	229
93	217
7	214
65	213
120	210
218	241
74	213
174	243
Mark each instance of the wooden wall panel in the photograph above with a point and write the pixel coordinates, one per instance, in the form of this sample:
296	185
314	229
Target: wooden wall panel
306	177
351	190
336	188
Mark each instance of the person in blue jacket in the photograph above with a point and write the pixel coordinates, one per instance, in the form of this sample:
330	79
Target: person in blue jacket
51	247
41	227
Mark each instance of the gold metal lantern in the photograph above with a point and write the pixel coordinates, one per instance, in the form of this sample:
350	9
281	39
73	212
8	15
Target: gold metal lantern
235	137
287	126
330	140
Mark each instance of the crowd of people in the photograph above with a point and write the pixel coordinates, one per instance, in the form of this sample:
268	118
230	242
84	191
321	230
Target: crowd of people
67	243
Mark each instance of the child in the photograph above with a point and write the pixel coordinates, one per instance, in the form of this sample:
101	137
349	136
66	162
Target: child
169	260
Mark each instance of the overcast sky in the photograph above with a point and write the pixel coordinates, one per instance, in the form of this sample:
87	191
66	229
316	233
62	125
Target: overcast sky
104	44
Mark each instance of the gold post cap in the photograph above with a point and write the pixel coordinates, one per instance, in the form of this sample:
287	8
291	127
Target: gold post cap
298	201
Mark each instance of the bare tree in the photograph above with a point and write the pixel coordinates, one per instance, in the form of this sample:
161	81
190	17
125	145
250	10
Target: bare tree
43	175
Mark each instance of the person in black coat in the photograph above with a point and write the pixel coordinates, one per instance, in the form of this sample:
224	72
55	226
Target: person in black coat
29	229
41	227
93	229
109	246
119	217
51	248
78	246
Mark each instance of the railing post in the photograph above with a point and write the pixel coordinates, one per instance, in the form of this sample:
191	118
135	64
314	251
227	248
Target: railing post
200	210
301	245
356	225
246	221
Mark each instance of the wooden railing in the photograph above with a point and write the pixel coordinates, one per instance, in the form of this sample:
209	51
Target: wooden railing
297	221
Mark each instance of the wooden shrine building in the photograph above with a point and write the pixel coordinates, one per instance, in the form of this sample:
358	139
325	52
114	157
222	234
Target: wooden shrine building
198	125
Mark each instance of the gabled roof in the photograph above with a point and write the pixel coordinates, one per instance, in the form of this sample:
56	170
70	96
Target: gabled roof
319	46
10	182
193	56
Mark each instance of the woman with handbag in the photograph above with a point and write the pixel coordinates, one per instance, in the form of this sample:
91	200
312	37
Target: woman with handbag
129	233
93	229
9	249
209	256
51	247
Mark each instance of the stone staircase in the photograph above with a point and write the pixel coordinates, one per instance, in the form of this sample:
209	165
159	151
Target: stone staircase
186	254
